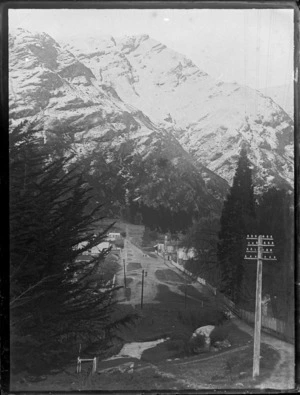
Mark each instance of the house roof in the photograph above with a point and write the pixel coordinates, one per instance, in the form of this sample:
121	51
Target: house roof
85	258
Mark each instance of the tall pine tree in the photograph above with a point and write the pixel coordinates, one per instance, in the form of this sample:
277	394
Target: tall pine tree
52	306
276	217
237	220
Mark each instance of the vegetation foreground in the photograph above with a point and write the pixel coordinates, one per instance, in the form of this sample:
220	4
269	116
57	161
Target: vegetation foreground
169	365
59	302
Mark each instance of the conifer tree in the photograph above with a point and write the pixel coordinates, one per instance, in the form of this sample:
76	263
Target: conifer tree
275	216
203	237
237	219
53	308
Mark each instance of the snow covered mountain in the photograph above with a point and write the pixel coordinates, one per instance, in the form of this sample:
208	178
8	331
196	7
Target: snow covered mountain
144	121
125	154
282	95
210	119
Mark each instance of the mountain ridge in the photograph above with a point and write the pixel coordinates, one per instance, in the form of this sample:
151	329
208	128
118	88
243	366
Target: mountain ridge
208	117
112	140
137	75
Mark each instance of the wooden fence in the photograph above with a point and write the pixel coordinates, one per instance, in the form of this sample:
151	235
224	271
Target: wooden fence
283	329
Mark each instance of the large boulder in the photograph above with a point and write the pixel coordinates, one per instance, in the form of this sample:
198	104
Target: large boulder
200	339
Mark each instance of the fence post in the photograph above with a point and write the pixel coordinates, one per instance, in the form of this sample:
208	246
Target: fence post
94	365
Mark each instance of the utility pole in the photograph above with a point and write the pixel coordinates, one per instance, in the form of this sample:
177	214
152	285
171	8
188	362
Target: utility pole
185	294
142	294
124	273
125	256
258	297
165	248
258	249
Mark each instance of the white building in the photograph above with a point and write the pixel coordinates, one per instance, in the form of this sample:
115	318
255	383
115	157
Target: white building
186	254
96	250
99	248
113	236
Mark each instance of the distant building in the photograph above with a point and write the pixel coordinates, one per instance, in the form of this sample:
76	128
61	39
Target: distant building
160	247
99	248
184	254
94	251
113	236
83	258
170	249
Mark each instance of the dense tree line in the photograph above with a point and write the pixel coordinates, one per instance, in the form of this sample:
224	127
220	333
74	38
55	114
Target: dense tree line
203	237
276	216
53	308
161	218
221	247
238	219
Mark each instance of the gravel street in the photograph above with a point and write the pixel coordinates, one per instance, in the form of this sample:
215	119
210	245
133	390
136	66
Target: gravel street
283	376
160	272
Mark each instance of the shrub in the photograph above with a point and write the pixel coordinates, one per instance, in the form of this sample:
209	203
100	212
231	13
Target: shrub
181	336
119	243
109	267
220	333
197	318
178	342
176	345
196	343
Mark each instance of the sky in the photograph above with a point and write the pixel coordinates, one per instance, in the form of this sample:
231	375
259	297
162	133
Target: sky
252	47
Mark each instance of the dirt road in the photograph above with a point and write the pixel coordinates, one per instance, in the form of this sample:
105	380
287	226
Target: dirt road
162	272
156	272
283	376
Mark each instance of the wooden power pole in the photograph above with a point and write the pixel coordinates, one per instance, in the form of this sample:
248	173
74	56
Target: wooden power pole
124	273
142	294
259	248
258	298
125	260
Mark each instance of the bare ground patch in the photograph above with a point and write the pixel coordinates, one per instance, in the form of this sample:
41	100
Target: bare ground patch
168	275
133	266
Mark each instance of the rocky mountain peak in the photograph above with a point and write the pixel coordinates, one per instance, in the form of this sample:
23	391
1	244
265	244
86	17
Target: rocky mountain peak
135	88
